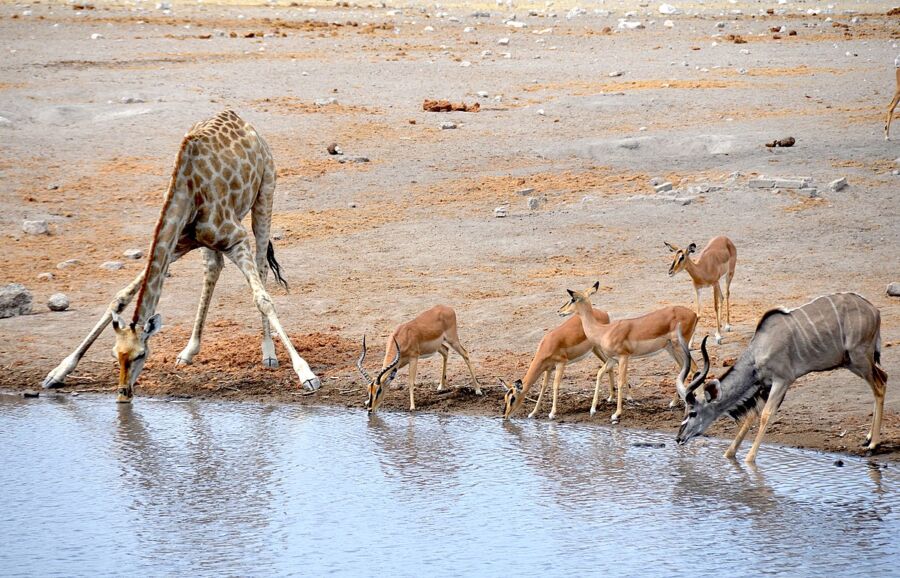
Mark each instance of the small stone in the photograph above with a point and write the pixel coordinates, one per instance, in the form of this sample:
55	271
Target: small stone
133	254
811	192
334	149
616	73
541	112
761	183
667	9
534	203
655	181
893	289
482	94
131	100
277	234
352	205
524	192
163	5
500	212
31	394
663	187
112	265
838	184
326	101
720	25
15	300
96	36
669	24
448	125
36	227
791	183
503	42
353	160
45	276
52	187
839	463
465	64
68	263
58	302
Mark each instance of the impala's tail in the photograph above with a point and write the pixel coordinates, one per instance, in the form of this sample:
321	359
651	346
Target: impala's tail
275	267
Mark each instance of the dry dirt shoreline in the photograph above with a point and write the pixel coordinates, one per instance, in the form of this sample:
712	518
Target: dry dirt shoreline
93	124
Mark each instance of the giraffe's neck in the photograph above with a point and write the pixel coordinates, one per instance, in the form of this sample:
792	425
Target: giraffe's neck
172	219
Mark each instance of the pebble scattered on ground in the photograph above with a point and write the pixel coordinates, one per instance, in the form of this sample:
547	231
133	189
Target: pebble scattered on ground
39	227
58	302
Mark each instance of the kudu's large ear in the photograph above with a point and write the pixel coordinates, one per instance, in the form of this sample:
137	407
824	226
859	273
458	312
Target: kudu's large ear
712	389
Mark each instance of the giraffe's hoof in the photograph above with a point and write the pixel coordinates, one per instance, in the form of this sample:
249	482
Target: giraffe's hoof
312	384
270	362
51	382
183	361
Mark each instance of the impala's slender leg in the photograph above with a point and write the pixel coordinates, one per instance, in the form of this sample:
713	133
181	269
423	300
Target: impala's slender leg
697	299
453	340
717	297
623	383
776	396
606	367
891	107
560	367
241	255
57	377
214	263
445	353
413	364
728	278
537	404
736	444
612	386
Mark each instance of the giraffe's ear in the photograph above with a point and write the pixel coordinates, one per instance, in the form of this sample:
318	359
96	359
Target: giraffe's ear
117	322
152	326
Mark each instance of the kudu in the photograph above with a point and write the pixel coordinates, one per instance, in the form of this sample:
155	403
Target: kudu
832	331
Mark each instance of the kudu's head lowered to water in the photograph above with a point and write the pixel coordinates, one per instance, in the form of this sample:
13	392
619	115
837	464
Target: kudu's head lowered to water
700	411
375	387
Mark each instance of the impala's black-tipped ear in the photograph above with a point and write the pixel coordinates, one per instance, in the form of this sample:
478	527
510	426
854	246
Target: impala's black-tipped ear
595	287
671	248
504	384
692	247
571	293
518	385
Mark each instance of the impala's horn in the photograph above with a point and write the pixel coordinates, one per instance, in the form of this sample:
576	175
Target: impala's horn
392	367
359	363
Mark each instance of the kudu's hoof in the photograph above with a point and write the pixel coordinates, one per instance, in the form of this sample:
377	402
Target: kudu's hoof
312	384
270	362
51	382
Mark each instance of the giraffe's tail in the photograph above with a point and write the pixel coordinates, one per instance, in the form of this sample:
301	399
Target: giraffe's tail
275	267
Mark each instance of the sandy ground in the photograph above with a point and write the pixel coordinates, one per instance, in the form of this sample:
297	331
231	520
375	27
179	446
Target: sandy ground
93	125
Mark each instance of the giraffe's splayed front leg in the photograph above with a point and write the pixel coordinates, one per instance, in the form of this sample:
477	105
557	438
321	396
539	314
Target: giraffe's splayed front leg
186	357
57	377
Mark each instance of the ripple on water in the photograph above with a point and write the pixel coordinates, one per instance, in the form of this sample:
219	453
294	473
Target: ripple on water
212	488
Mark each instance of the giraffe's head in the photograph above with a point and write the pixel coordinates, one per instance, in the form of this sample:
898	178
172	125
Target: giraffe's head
679	260
131	351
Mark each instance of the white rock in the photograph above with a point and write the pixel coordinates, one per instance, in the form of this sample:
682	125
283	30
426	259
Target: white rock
837	184
516	24
893	289
503	42
616	73
39	227
669	24
448	125
68	263
663	187
541	112
465	64
482	94
429	29
501	212
745	51
131	100
58	302
96	36
630	25
326	101
46	276
667	9
468	29
133	254
112	265
15	300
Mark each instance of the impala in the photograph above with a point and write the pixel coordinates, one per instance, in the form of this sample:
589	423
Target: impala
434	331
619	341
716	260
894	101
564	345
840	330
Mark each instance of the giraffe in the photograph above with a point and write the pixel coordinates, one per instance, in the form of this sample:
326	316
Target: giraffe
223	171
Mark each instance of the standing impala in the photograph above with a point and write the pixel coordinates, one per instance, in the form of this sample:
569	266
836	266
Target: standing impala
564	345
716	260
894	101
434	331
840	330
623	339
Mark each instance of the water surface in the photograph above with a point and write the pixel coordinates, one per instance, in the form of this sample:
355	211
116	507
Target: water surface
159	488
